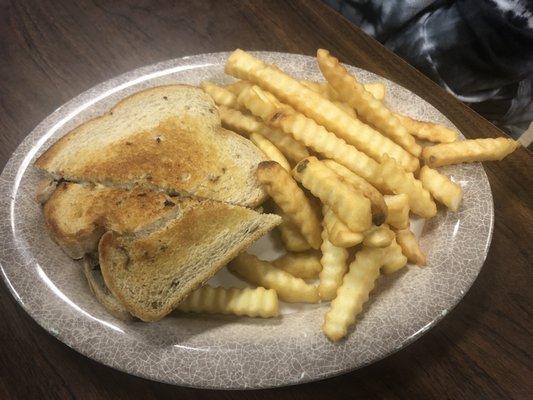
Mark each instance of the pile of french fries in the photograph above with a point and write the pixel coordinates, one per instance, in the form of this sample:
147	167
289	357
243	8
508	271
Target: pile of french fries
345	173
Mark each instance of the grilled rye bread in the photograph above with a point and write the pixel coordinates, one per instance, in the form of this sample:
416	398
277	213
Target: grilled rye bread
166	138
77	215
152	270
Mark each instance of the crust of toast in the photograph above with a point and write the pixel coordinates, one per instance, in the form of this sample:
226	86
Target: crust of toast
151	272
166	138
102	293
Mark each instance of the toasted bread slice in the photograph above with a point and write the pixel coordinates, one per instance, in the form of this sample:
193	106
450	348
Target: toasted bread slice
78	215
166	138
151	271
101	292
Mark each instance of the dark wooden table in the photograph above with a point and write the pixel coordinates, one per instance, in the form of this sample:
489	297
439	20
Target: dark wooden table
50	51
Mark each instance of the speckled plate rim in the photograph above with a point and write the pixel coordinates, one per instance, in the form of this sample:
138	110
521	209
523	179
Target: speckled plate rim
11	251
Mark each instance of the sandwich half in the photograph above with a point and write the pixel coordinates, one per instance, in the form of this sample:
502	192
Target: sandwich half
166	138
152	270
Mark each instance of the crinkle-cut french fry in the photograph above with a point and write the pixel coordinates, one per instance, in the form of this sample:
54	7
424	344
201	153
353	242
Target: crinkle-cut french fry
346	107
399	181
270	150
292	149
356	286
366	105
237	121
318	87
261	103
468	151
291	199
347	203
338	233
258	302
322	141
427	130
393	258
410	247
333	267
262	273
378	236
387	176
291	237
398	207
308	132
237	87
377	203
301	265
376	89
245	66
441	187
246	124
219	94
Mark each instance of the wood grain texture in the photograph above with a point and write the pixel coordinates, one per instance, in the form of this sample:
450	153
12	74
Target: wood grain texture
50	51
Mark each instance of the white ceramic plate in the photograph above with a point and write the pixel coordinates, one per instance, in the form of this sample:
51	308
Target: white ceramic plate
230	352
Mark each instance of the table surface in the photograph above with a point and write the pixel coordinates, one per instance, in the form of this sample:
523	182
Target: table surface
50	51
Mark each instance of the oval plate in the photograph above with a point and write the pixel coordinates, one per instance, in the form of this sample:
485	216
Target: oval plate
229	352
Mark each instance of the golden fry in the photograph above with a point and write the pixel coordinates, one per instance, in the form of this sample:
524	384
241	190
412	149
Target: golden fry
338	233
237	87
301	265
333	267
398	206
346	107
356	286
307	131
468	151
376	89
441	187
313	105
246	125
291	199
388	176
393	259
262	273
258	302
260	103
270	150
235	120
399	181
410	247
318	87
291	237
377	203
347	203
219	94
378	236
293	150
427	130
366	105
